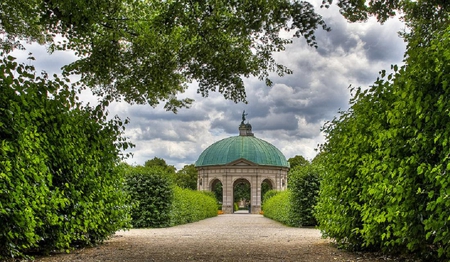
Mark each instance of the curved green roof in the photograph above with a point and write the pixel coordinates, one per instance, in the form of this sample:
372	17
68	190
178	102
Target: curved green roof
250	148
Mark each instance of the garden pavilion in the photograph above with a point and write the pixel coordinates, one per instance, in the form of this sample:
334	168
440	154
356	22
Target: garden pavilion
242	159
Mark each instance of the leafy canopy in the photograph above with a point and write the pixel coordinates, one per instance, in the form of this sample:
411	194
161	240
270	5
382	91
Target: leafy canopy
148	51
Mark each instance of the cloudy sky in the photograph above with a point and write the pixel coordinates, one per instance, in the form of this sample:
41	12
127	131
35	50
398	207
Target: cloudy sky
289	115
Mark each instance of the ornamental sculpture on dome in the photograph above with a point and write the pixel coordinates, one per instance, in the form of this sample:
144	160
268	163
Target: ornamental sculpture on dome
243	117
245	129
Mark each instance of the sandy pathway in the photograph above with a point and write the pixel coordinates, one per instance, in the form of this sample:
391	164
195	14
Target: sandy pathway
238	237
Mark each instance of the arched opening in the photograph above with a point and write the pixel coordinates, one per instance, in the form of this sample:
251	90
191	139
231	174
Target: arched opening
217	189
266	185
241	196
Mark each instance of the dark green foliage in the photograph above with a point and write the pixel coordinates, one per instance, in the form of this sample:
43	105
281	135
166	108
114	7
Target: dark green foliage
161	163
265	187
187	177
278	207
296	205
218	191
241	191
386	159
304	185
191	206
297	161
59	183
157	202
151	192
147	51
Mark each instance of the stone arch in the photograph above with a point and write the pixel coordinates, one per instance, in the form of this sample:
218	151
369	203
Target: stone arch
212	187
270	184
213	181
244	181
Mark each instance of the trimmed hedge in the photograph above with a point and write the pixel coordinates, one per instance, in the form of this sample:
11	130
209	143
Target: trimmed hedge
269	194
59	185
278	207
295	207
151	192
191	206
387	185
156	202
304	185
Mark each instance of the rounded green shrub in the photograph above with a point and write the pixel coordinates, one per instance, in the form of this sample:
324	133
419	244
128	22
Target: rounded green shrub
235	206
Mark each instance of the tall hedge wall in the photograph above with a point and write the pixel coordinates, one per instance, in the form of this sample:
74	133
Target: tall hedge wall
59	185
304	185
386	185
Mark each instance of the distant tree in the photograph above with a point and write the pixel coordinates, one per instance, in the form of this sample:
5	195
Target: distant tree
187	177
298	161
241	191
159	162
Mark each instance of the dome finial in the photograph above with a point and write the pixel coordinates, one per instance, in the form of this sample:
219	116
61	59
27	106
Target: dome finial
243	117
245	129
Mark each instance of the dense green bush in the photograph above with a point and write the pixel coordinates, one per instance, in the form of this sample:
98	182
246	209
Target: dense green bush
59	185
295	207
386	185
191	206
151	192
269	194
304	185
157	202
278	207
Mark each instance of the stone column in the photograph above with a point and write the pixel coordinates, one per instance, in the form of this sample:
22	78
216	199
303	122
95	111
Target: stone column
227	189
255	194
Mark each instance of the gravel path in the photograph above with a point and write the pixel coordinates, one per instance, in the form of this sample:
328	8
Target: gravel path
237	237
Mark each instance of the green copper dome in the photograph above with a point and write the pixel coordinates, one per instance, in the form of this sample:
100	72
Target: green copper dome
248	147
